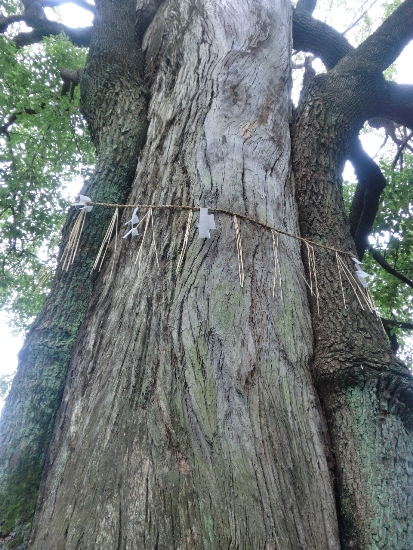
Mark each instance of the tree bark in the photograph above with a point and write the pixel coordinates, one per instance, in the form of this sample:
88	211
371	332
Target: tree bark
366	393
198	412
114	100
189	418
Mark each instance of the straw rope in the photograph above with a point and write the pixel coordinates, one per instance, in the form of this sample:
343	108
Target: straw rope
343	270
219	211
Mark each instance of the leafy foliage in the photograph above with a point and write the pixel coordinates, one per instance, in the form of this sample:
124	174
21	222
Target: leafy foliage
5	384
44	149
392	236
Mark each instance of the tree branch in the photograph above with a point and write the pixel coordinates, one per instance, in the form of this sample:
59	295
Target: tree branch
311	35
71	79
365	204
398	324
385	45
4	129
35	17
5	21
307	6
381	261
79	36
377	52
389	325
395	101
359	15
404	144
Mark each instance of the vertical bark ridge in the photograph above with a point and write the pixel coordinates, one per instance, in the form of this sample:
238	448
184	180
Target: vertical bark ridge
114	102
366	393
204	396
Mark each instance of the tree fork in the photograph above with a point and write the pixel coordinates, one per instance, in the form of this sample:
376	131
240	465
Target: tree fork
113	94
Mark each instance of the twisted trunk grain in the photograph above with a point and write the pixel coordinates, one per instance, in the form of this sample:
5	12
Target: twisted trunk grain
189	416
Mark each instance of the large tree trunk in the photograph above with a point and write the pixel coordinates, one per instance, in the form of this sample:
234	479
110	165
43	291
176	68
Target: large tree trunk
189	418
366	393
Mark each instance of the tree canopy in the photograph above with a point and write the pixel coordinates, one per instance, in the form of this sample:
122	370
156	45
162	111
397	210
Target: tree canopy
44	148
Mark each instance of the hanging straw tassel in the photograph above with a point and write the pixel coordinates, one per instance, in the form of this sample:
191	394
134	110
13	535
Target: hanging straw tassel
341	280
43	276
148	216
71	247
239	251
313	274
356	286
106	240
153	239
185	243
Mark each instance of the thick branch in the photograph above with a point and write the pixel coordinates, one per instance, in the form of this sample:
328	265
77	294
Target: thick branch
71	78
398	324
381	261
310	35
35	17
385	45
5	21
391	100
79	36
308	6
371	183
395	101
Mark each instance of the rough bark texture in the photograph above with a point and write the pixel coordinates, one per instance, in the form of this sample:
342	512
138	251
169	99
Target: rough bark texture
365	392
113	97
189	418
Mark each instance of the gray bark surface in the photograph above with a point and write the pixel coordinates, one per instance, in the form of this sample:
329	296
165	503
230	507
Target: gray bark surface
189	418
